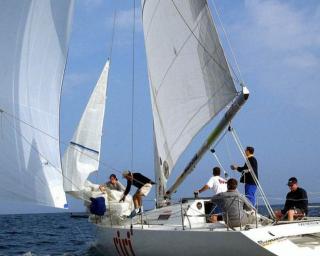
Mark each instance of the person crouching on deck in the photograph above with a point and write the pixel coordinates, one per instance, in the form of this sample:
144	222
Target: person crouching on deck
144	186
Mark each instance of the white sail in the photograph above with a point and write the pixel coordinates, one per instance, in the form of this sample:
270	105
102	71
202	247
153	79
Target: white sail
82	155
189	77
33	51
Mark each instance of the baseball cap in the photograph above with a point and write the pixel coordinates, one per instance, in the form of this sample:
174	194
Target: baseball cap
292	180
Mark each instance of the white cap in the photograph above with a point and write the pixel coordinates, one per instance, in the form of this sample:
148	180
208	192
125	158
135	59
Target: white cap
125	173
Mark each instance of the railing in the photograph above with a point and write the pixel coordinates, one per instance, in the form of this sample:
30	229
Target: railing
181	210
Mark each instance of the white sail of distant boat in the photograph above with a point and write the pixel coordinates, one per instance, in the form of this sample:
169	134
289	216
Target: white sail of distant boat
82	155
34	45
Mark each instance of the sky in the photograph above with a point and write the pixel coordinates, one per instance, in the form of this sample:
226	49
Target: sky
277	47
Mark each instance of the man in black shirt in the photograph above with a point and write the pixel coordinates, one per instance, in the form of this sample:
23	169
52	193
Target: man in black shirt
143	184
250	186
296	202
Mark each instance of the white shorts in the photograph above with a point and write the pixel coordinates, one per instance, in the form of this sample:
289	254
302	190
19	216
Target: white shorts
145	189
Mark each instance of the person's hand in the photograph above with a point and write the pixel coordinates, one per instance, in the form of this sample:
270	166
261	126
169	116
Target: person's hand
196	192
122	199
234	167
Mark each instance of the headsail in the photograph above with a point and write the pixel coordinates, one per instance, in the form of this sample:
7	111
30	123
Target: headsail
33	52
189	77
82	156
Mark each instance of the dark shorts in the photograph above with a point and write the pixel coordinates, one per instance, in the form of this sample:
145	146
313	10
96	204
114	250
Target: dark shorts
216	210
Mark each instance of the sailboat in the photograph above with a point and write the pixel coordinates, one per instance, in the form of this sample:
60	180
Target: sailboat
190	83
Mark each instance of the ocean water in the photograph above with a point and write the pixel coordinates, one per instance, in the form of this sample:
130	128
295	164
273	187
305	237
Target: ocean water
46	234
56	234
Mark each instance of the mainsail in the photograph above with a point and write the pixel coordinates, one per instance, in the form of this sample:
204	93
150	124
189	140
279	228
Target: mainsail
82	155
189	77
33	52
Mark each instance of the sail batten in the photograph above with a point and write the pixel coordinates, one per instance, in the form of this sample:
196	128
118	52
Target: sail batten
83	154
189	77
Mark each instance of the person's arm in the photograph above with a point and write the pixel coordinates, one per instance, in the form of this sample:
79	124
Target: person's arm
304	202
241	169
126	192
238	168
204	188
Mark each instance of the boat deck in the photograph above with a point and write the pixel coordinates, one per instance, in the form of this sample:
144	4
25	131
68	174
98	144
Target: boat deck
309	240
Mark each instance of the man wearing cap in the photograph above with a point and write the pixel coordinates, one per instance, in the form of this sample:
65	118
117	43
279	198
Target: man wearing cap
143	184
296	202
250	186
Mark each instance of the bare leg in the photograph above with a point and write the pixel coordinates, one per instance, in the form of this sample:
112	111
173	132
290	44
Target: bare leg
290	215
136	201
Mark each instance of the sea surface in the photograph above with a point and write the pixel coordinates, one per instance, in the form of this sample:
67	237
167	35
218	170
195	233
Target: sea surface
56	234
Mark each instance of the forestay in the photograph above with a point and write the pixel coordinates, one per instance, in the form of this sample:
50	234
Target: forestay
33	51
189	77
82	155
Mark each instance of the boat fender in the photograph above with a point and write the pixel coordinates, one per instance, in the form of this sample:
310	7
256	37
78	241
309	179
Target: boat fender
98	206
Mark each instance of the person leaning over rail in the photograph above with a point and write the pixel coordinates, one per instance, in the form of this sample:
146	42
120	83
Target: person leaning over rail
236	209
296	202
112	184
246	177
144	186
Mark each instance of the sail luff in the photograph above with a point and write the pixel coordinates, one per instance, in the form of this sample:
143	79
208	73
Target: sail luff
83	154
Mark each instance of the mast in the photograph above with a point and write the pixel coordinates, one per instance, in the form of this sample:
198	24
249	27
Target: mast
235	107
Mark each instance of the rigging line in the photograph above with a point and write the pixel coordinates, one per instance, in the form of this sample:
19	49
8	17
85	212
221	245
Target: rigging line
226	175
113	32
200	43
33	127
192	34
66	144
43	156
229	43
133	71
56	139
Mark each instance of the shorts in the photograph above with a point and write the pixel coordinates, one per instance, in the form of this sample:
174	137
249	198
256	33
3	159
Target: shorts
145	189
298	211
217	210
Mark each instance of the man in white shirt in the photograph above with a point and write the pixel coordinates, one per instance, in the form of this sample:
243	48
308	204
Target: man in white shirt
216	183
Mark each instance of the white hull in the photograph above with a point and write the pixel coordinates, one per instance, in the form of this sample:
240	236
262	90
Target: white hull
201	238
119	241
